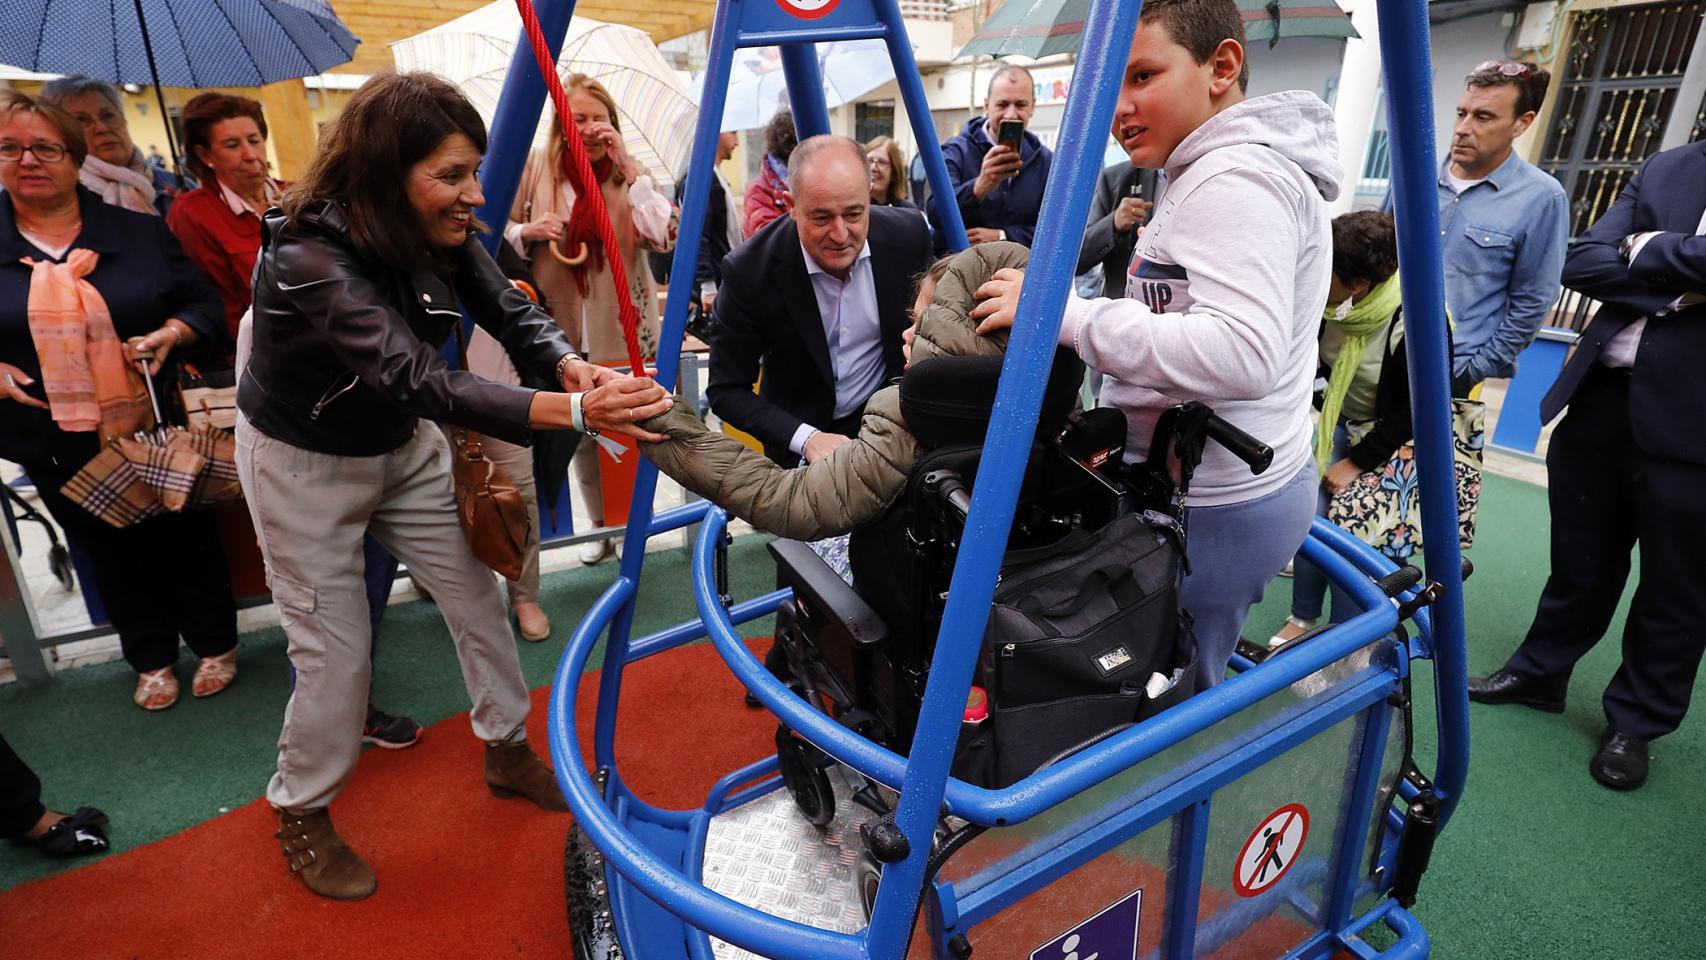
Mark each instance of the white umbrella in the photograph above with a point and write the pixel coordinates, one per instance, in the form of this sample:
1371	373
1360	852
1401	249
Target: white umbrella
851	68
656	108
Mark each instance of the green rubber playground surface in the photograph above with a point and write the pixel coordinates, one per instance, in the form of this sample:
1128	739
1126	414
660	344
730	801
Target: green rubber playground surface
1540	862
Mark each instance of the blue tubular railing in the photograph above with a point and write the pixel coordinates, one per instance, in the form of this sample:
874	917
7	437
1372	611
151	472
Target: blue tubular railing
1072	776
1408	73
516	118
1012	424
669	888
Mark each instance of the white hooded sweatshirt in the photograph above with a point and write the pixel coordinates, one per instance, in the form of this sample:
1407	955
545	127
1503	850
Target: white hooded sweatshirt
1225	290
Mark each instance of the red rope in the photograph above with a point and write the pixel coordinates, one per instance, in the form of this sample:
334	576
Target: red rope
586	186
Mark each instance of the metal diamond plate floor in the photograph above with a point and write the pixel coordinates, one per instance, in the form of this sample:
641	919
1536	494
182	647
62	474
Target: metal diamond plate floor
766	855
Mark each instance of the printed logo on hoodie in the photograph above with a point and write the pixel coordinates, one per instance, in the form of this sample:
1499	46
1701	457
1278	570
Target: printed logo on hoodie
1163	287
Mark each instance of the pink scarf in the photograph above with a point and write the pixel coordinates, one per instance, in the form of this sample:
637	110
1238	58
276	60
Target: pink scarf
90	386
120	186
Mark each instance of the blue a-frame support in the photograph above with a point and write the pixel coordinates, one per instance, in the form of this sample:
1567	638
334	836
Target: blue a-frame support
629	832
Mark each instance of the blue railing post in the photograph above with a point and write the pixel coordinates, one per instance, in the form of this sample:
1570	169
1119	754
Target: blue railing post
805	89
520	103
946	217
1060	232
1406	61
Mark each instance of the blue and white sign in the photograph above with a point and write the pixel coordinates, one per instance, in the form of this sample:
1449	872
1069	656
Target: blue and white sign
1109	935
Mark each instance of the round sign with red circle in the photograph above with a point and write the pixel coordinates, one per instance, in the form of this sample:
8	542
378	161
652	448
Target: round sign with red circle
1271	850
808	9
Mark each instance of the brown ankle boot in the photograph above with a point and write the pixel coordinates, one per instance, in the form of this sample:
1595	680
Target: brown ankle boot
314	851
512	769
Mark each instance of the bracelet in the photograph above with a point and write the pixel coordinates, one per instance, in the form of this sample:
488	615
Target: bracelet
563	365
577	417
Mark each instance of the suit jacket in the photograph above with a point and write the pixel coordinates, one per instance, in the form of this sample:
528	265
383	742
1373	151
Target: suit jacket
1102	243
767	317
1667	394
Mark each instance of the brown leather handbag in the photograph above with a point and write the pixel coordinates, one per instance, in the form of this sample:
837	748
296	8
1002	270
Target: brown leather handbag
490	508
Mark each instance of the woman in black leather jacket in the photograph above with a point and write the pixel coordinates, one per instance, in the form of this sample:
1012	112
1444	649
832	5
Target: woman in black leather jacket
356	289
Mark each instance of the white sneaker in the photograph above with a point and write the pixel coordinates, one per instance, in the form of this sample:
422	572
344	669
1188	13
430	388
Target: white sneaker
1293	629
596	551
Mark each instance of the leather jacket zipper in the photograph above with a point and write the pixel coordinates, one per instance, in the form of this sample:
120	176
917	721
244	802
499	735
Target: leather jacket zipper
332	393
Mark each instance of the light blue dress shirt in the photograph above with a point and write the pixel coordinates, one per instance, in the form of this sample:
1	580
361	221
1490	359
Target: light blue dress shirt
853	329
1502	242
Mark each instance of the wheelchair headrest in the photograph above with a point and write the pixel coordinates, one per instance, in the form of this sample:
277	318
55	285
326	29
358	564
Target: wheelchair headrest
947	400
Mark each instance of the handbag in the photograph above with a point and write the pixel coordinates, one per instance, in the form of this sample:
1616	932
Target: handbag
209	399
489	507
1382	507
168	469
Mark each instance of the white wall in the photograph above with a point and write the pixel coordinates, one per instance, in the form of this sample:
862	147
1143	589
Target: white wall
1457	47
1295	63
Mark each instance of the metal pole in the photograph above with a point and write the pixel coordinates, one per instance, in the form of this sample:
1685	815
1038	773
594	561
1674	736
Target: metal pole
160	95
1012	423
1404	50
516	118
805	89
946	213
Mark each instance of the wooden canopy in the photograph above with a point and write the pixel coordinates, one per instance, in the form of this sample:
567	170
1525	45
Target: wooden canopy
380	22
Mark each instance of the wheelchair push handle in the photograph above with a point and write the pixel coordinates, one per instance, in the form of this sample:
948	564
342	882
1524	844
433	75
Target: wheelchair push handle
946	488
1240	444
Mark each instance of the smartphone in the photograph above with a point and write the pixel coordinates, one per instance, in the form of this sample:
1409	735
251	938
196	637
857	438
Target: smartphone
1012	133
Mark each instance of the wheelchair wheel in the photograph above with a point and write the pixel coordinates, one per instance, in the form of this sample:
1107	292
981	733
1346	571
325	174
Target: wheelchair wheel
869	873
802	772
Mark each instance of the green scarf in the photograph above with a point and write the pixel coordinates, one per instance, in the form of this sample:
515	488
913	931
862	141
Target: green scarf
1365	318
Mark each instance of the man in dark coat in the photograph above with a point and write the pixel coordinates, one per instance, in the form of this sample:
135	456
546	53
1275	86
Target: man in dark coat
1125	198
816	301
1628	465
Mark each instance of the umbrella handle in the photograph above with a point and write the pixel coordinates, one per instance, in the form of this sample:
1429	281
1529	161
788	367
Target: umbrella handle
573	261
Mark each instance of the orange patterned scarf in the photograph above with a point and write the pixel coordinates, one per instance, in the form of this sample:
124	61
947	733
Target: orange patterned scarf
89	384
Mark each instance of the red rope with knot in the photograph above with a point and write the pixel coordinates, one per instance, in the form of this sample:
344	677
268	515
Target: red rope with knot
586	186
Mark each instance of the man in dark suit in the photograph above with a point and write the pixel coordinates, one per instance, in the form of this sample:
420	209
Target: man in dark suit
1115	216
1628	465
818	301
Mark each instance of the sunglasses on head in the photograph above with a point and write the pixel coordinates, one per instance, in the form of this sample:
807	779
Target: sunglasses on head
1509	68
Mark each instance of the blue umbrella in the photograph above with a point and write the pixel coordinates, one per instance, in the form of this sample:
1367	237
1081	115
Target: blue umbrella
236	43
180	43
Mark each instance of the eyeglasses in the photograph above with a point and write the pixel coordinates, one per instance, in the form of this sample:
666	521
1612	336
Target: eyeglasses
1509	68
45	152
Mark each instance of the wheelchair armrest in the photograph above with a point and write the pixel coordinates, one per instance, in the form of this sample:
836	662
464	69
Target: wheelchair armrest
823	595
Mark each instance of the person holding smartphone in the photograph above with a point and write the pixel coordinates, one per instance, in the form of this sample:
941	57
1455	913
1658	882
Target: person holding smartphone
998	168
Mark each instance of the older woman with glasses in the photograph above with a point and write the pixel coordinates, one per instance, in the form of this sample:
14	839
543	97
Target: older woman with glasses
113	169
888	173
85	288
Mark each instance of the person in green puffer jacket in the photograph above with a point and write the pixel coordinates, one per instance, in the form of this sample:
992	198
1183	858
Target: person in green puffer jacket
861	479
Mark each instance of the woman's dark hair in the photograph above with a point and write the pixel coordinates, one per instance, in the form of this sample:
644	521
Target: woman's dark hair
207	111
1365	246
393	122
779	137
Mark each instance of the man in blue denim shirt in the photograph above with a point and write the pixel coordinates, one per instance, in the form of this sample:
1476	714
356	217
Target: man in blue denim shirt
1503	224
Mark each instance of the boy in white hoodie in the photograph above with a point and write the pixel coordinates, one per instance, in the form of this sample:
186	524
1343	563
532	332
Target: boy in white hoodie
1223	297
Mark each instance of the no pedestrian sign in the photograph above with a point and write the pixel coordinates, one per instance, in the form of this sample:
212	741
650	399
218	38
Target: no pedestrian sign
808	9
1109	935
1271	850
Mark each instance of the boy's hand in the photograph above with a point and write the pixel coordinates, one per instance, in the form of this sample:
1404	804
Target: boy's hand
1000	163
1000	299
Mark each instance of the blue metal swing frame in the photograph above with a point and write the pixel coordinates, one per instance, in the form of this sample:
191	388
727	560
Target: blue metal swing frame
654	856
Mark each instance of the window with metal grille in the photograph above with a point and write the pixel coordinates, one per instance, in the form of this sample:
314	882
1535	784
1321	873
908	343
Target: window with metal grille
1617	88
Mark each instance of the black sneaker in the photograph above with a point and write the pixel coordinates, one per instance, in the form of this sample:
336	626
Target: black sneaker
388	732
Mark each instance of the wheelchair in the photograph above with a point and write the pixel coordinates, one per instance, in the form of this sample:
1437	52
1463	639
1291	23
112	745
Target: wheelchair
862	655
